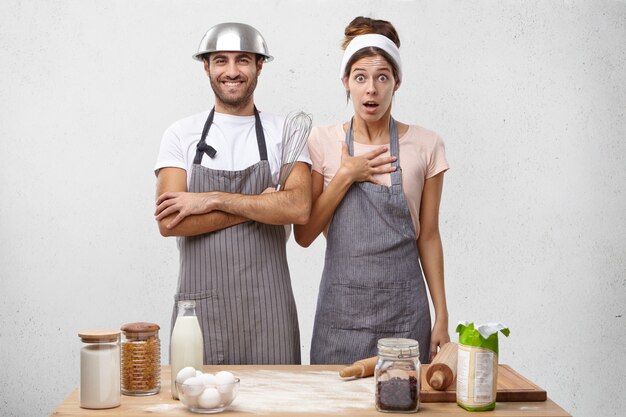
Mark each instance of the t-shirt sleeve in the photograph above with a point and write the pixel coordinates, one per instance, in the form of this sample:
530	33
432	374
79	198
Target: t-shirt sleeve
304	155
438	162
315	151
170	152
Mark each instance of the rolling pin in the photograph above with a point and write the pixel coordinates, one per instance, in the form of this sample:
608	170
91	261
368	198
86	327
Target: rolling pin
360	369
442	370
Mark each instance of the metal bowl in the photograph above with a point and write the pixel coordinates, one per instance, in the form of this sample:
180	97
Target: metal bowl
233	37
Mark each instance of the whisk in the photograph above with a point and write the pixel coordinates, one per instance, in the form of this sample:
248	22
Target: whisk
295	133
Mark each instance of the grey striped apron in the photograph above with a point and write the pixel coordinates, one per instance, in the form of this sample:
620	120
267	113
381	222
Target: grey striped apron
372	285
238	276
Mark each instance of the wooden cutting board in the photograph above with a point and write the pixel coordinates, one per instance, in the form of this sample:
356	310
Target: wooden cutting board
511	387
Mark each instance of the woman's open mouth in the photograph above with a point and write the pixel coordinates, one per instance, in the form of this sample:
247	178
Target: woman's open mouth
370	106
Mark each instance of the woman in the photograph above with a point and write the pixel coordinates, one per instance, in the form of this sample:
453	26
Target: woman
377	185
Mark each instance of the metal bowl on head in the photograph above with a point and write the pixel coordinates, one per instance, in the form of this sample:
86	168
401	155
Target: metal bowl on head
233	37
206	399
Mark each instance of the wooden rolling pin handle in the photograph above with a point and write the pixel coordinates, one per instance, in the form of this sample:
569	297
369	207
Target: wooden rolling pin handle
351	371
442	370
360	369
437	379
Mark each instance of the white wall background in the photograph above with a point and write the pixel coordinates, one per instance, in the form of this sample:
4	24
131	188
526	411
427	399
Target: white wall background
530	97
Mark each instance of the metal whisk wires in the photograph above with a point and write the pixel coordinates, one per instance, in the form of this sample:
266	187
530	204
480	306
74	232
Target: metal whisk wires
296	130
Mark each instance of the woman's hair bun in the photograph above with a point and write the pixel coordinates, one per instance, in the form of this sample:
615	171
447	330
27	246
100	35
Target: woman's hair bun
365	25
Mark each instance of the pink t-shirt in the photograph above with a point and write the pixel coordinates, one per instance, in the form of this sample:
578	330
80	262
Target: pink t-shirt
422	156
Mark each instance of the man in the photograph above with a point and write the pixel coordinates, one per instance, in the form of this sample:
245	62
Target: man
215	174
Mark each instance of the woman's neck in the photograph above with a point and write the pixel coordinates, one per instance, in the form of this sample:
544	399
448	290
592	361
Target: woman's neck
371	133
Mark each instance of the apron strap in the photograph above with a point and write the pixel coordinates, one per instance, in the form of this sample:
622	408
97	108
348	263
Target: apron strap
260	136
394	149
203	148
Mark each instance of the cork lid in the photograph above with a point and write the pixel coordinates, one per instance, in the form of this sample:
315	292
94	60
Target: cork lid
99	336
140	327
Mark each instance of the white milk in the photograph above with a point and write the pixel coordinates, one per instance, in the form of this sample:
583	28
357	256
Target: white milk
186	347
100	376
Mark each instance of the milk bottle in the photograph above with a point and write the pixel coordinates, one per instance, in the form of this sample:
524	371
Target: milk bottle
186	344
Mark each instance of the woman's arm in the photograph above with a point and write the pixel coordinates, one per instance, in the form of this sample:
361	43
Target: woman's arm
326	200
431	257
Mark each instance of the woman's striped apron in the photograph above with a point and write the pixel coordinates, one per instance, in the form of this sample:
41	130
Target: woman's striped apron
372	285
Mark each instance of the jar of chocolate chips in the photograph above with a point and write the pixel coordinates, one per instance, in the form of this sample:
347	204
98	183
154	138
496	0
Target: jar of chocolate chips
397	375
141	359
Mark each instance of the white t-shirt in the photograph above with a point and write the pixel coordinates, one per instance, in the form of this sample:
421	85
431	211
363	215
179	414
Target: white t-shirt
233	137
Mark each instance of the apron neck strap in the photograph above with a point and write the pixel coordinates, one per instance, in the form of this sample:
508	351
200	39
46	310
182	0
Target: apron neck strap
203	148
260	136
394	148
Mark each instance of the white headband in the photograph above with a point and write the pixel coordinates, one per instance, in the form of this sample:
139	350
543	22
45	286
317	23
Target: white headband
365	41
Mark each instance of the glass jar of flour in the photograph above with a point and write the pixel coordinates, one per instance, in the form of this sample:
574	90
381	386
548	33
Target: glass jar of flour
99	369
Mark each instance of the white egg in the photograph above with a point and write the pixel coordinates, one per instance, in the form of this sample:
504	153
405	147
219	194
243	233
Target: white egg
209	398
192	387
198	373
191	402
225	380
227	392
224	377
185	373
209	380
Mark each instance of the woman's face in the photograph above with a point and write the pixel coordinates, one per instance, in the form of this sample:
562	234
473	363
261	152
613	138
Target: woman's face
371	86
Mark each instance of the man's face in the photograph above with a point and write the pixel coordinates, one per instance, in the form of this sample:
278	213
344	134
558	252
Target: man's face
233	77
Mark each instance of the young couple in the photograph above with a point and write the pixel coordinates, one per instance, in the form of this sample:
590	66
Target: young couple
372	185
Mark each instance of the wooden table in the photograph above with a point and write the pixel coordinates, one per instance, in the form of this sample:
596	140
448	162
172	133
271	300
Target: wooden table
296	390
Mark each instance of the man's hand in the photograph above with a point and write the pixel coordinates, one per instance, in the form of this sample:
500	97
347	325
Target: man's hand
172	185
185	204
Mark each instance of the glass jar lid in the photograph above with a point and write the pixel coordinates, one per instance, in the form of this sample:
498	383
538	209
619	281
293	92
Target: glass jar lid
140	329
398	347
99	336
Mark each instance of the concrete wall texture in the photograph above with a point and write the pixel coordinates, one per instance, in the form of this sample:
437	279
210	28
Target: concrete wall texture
530	97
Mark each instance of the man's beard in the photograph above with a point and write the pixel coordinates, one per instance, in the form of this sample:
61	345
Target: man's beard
234	102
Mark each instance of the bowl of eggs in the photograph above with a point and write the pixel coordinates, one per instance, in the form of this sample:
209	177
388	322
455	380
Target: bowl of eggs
205	392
